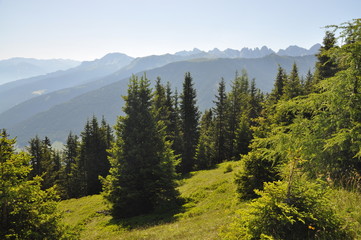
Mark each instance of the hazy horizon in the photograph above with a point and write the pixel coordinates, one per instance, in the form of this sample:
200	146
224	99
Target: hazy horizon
86	30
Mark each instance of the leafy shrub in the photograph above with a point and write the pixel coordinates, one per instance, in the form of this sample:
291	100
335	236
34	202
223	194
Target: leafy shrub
256	169
300	211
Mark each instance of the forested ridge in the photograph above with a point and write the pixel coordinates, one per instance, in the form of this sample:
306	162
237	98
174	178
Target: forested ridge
295	145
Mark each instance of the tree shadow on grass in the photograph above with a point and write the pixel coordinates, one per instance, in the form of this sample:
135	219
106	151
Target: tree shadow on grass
158	217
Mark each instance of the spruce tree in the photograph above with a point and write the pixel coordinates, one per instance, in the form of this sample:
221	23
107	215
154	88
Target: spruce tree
93	158
293	88
174	128
71	174
44	162
206	154
142	172
326	66
220	117
309	83
159	103
279	85
189	124
238	101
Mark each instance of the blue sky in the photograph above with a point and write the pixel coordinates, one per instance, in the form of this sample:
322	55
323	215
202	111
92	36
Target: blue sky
89	29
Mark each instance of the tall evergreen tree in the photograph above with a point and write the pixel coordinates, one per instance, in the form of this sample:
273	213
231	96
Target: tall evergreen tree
293	88
326	66
161	110
255	101
220	116
309	83
71	174
206	151
279	85
189	124
238	101
174	128
43	161
142	175
93	158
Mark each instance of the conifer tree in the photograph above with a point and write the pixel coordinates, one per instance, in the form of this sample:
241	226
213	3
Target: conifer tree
326	66
255	101
142	175
309	83
279	85
26	211
44	162
206	151
293	88
238	101
189	124
93	158
71	174
159	103
174	128
220	117
243	134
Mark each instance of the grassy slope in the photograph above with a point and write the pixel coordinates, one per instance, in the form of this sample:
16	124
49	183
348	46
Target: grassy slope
211	201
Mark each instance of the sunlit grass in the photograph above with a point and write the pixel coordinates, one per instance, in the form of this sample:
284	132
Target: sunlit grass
210	202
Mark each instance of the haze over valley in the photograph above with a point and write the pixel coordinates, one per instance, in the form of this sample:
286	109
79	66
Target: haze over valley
56	103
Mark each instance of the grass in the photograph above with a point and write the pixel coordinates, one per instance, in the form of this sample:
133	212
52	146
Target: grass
347	205
210	202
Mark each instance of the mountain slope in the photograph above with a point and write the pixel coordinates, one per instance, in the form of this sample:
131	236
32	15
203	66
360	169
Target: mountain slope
293	51
24	89
45	101
60	119
18	68
210	204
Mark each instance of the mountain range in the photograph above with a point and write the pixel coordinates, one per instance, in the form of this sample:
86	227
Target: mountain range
19	68
292	51
54	104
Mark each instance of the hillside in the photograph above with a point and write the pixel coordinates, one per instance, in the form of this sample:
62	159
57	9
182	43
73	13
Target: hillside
210	206
211	201
56	121
21	90
19	68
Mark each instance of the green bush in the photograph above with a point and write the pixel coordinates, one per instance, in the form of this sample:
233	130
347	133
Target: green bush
256	169
301	211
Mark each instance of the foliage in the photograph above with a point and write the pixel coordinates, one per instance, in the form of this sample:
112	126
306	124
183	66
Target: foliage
27	212
210	203
220	118
189	115
257	167
206	152
70	176
93	156
44	161
293	87
303	213
141	178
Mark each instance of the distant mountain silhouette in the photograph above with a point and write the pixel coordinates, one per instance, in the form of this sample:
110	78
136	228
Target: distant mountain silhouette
58	119
21	90
298	51
18	68
293	51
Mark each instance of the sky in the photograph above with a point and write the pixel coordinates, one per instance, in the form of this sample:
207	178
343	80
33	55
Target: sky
89	29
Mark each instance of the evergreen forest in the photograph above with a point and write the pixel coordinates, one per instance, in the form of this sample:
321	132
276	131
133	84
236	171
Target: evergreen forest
279	165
